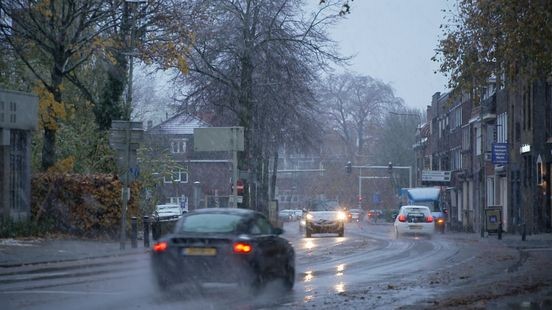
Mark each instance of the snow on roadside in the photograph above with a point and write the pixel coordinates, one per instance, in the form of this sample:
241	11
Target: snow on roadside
15	242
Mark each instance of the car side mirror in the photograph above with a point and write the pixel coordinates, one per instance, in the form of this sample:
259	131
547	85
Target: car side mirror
277	231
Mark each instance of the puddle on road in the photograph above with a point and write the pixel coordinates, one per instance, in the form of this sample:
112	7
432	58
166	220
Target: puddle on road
532	305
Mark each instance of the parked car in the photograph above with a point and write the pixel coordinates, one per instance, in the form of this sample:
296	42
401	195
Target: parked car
164	218
414	220
167	212
286	215
223	246
325	217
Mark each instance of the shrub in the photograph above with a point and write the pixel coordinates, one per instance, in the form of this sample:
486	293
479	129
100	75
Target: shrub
81	205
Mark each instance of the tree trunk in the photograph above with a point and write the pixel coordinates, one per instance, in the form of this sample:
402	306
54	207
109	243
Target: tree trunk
273	177
49	148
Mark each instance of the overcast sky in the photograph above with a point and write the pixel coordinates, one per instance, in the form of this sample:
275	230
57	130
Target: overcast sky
393	41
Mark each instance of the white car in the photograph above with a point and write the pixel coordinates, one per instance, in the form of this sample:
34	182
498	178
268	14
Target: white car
325	217
414	220
167	212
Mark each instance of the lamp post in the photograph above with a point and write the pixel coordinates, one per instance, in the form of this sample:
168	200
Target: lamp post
196	194
131	53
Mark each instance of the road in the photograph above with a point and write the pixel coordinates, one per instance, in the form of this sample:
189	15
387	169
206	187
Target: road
366	269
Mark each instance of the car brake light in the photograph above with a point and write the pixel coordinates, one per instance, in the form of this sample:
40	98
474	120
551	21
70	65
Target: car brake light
429	219
402	218
160	246
242	248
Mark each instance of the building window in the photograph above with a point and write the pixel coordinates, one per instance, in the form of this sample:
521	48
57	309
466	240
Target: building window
502	128
182	200
490	191
466	138
178	146
455	118
456	159
540	178
491	137
176	176
477	140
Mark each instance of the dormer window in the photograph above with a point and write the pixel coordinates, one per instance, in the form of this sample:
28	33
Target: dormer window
178	146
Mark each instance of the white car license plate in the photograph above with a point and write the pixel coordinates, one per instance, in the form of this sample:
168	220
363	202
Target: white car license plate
414	227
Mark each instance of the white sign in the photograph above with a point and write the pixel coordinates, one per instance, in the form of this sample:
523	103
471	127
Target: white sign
235	199
18	110
215	139
436	176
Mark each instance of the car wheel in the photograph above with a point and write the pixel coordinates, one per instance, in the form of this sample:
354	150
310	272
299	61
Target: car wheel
163	282
308	233
341	232
289	278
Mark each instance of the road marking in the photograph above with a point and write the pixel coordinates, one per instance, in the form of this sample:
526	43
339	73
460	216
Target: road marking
59	292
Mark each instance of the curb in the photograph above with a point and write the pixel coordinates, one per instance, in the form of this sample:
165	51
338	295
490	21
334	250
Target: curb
23	264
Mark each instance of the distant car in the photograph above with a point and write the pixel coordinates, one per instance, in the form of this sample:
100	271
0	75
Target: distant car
167	212
374	215
223	245
325	217
286	215
414	220
356	215
297	214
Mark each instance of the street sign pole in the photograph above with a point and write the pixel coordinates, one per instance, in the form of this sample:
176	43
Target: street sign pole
125	186
125	138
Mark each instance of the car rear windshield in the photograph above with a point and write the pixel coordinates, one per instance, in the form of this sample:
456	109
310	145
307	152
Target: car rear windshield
209	223
168	208
416	211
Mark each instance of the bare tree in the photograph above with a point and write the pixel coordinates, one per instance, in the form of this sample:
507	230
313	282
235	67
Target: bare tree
355	106
253	63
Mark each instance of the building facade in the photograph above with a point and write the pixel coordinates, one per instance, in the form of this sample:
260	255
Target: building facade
498	149
196	179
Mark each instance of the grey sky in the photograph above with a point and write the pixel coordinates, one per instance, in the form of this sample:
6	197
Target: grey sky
394	40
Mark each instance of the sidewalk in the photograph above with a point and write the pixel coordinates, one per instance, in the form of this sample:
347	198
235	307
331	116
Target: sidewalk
542	240
19	252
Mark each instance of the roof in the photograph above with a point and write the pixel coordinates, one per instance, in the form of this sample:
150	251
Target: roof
182	123
423	193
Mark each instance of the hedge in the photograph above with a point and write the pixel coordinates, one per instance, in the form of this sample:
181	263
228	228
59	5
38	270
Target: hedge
81	205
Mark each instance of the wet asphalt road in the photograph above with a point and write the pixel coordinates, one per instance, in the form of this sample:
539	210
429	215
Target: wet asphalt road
366	269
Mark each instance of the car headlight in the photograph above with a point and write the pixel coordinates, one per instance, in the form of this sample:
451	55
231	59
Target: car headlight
341	216
309	216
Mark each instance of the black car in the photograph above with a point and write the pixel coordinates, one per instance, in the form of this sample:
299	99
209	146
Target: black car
223	245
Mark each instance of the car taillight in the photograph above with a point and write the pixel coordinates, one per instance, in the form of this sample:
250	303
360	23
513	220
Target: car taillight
429	219
242	248
402	218
160	246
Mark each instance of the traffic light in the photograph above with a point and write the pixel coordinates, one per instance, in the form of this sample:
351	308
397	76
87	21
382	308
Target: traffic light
349	167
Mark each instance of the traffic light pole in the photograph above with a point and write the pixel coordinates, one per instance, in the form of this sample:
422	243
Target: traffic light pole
390	166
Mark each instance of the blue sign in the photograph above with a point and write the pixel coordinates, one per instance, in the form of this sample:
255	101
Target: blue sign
376	198
500	153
